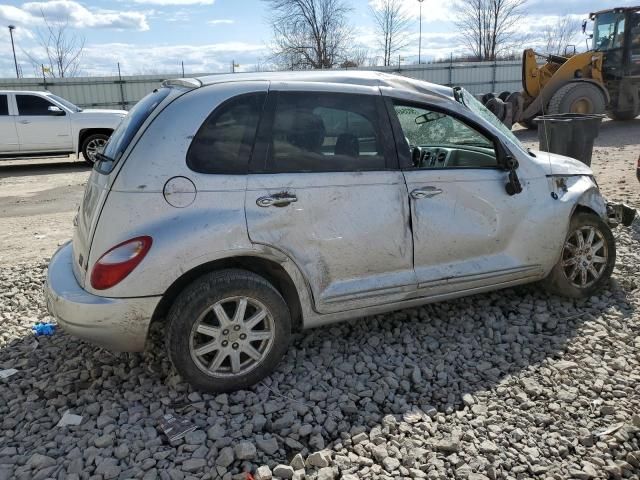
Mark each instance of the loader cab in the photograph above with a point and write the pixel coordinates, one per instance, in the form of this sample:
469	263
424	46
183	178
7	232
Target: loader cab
616	33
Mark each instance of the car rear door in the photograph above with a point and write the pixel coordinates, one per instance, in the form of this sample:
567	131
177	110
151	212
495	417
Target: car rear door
40	129
8	134
324	189
468	232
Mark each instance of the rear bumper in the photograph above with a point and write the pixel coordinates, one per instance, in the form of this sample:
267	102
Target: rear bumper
118	324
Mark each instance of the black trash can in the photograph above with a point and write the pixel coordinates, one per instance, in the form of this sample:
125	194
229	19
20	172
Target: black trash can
569	134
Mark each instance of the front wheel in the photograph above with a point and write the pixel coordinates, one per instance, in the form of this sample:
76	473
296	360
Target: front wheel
587	259
93	144
227	331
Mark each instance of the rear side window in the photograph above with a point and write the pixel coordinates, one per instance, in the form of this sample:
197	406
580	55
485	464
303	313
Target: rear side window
327	132
4	105
122	136
33	105
224	142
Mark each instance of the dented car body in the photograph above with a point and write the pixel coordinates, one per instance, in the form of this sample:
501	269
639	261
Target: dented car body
343	191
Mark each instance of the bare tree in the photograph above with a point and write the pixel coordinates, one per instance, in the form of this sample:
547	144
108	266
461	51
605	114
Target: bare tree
391	22
489	27
61	49
309	33
558	36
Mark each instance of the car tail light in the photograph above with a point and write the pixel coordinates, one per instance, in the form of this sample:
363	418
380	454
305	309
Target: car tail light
118	262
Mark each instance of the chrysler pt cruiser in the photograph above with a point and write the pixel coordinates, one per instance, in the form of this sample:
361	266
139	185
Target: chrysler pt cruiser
236	209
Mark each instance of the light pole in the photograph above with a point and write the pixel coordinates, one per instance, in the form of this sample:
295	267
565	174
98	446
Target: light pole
11	29
420	37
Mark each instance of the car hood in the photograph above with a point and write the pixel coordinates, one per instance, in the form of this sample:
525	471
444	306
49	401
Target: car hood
98	111
554	164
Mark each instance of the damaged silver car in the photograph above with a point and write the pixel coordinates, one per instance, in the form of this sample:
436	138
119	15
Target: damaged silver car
235	209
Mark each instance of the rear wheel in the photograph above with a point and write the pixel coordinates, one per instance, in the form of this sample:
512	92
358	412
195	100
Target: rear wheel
581	97
93	144
587	259
227	331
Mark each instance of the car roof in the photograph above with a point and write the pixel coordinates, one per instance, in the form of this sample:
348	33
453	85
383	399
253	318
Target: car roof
38	92
349	77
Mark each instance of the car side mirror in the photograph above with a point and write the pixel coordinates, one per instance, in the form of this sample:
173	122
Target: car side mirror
513	186
53	110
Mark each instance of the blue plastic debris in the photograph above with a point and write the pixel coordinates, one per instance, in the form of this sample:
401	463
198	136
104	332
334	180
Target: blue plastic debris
43	329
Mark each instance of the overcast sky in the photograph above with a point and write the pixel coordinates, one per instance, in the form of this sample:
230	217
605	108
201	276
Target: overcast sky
154	36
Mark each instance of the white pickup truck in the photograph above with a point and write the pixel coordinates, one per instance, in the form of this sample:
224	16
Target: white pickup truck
40	123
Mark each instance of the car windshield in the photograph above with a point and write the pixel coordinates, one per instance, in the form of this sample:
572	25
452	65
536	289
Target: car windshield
473	104
122	136
66	103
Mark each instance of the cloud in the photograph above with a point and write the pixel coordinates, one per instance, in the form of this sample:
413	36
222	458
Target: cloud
57	11
221	21
176	2
102	59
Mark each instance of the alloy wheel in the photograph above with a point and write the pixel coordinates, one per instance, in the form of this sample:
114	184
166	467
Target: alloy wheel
94	146
584	256
232	337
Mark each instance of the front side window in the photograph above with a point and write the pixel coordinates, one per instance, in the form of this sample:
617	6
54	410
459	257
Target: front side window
438	140
224	142
4	105
33	105
326	132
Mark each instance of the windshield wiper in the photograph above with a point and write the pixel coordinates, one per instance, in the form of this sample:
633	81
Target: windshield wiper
103	158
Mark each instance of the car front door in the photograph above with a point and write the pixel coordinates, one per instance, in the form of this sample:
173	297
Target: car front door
8	134
468	232
324	189
41	128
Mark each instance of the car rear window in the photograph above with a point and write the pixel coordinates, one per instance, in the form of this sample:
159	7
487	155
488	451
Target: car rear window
122	136
224	142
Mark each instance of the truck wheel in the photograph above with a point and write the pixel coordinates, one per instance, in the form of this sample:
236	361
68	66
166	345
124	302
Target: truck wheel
92	145
227	331
587	259
578	97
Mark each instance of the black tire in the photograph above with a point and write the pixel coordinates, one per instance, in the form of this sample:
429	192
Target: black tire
203	294
580	97
497	107
89	142
558	281
486	97
622	116
504	95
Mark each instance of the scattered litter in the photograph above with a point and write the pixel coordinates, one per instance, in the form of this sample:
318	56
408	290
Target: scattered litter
175	427
7	373
43	329
608	431
69	419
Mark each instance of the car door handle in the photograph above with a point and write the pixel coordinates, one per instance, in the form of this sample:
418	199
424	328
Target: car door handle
425	192
24	122
278	200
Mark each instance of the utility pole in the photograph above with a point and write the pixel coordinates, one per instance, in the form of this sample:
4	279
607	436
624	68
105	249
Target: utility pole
420	37
11	29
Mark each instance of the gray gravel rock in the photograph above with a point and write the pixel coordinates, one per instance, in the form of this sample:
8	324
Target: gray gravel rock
505	385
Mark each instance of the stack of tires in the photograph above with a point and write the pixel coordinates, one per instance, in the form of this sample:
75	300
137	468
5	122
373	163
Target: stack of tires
507	106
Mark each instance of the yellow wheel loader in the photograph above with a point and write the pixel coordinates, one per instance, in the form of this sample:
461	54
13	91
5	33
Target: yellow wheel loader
605	79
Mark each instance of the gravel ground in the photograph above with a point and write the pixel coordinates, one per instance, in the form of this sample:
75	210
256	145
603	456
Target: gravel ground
513	384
